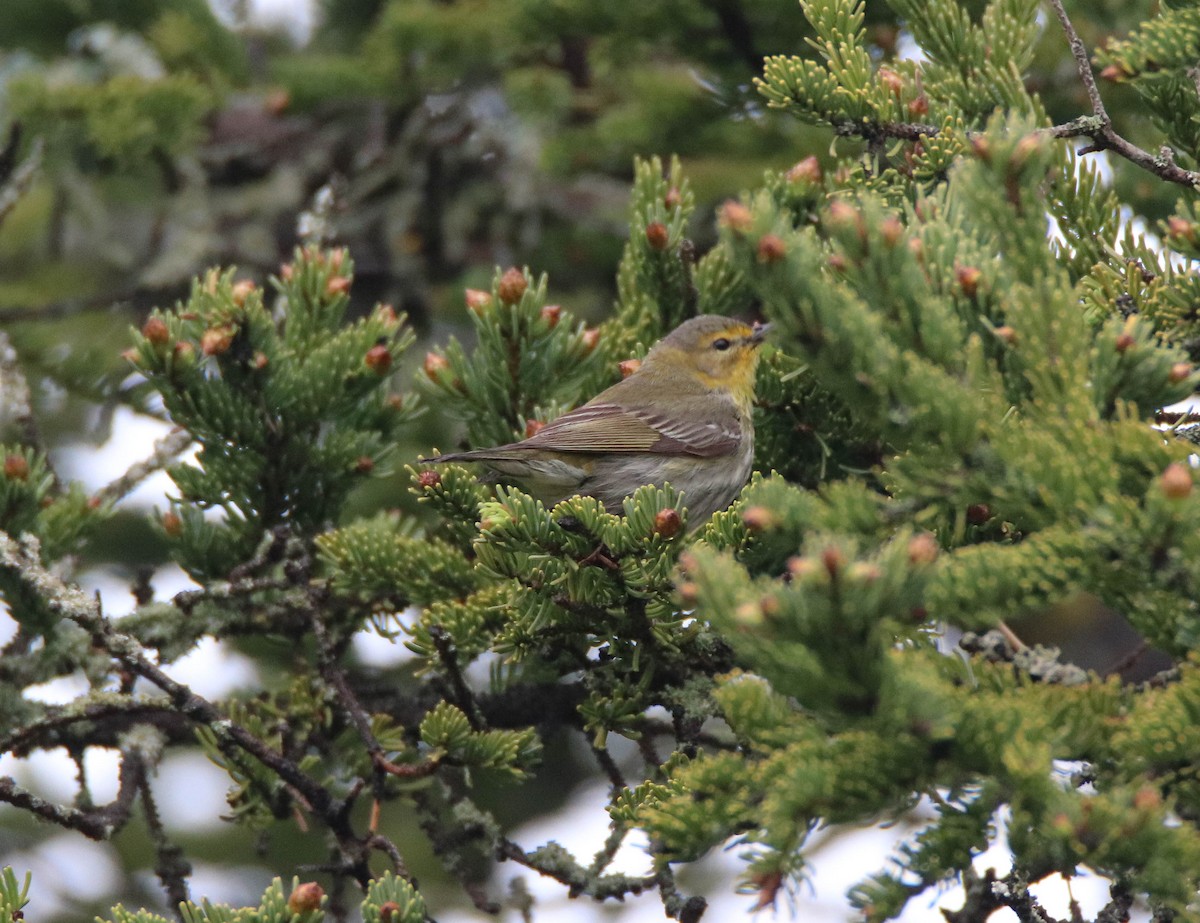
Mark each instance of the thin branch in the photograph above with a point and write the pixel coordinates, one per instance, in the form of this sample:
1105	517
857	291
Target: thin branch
18	183
166	450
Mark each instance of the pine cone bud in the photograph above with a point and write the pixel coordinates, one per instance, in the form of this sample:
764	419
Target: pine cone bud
672	199
1180	371
1025	149
429	478
378	359
172	524
1176	481
834	560
807	171
306	898
891	80
591	339
923	549
551	314
387	910
800	567
668	522
533	427
891	229
918	107
478	301
864	572
968	279
337	259
337	285
736	216
434	365
155	330
982	147
771	249
16	468
512	286
748	613
978	513
386	315
286	271
759	518
184	353
1006	335
1113	72
1124	342
216	340
689	593
1181	228
242	290
629	366
836	262
260	360
364	465
657	236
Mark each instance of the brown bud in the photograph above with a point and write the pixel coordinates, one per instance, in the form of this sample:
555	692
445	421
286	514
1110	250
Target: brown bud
922	549
917	247
672	199
834	560
629	366
216	340
129	355
435	364
94	502
1124	342
736	216
172	524
668	522
386	315
1006	334
748	613
387	910
982	147
657	236
689	593
891	229
864	572
968	279
770	606
429	478
306	898
241	291
771	249
800	567
551	313
155	330
183	351
807	171
978	513
337	259
533	427
337	285
591	338
918	106
1147	798
478	301
1180	371
759	518
277	101
1181	228
836	262
512	286
1025	148
378	359
365	464
260	360
396	402
16	468
1176	481
286	271
891	80
842	212
1113	72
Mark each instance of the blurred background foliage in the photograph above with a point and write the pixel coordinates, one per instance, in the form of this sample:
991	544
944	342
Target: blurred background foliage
454	137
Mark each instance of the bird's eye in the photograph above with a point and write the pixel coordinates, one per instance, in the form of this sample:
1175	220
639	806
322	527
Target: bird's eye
721	344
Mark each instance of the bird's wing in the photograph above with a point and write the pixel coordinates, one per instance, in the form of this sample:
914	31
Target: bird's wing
605	427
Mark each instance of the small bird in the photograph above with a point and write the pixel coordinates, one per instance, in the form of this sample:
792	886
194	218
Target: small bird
684	417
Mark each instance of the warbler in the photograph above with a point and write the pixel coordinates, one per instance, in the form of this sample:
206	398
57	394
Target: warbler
683	416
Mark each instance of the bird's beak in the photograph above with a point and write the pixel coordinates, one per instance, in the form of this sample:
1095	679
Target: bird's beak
759	333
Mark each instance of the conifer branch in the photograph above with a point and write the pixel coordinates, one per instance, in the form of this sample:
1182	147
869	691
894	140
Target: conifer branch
166	450
1099	128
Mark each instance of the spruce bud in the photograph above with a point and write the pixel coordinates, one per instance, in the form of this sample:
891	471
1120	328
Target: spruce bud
512	286
16	468
736	216
1176	481
657	236
668	522
629	366
478	301
429	478
435	364
771	249
155	330
378	359
306	898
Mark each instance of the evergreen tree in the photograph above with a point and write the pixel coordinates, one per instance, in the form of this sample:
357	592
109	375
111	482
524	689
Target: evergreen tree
960	425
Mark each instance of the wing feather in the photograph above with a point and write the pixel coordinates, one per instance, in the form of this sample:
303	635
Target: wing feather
605	427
